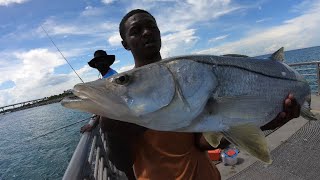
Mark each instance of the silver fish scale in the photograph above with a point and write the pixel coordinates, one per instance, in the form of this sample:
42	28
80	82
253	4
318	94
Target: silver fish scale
260	66
270	92
244	97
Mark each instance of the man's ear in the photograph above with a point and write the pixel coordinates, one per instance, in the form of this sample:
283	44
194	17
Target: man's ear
125	45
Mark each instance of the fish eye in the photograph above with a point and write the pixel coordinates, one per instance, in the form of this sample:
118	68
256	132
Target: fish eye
122	80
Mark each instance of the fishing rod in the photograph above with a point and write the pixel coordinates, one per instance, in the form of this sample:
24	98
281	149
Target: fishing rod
59	128
61	53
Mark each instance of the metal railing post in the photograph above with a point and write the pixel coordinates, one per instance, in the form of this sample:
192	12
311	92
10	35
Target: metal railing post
318	77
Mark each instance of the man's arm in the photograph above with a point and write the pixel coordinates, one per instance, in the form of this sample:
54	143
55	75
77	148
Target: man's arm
291	109
89	127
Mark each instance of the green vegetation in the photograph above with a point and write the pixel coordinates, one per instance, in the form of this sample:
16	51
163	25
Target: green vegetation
45	101
58	97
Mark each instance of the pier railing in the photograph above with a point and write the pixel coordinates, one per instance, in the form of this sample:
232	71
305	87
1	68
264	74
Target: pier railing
7	108
90	160
311	72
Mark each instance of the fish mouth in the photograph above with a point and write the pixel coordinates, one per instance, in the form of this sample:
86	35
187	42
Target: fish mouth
86	91
90	93
88	98
74	102
76	97
79	94
71	99
85	105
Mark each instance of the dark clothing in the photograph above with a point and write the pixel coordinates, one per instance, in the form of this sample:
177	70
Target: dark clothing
120	138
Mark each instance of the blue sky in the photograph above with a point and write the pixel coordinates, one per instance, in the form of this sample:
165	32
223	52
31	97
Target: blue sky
32	68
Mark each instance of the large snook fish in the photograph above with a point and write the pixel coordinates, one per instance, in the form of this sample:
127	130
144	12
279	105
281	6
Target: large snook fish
215	95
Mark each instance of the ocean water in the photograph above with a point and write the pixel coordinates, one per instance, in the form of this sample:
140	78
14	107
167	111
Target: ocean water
300	55
47	157
23	157
303	55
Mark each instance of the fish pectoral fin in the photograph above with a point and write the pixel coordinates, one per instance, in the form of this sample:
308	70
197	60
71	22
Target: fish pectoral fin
251	139
213	138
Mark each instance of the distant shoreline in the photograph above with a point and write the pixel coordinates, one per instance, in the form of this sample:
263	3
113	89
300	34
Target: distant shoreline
49	100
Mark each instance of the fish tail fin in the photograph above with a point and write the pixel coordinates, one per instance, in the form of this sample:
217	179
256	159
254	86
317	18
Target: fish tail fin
307	112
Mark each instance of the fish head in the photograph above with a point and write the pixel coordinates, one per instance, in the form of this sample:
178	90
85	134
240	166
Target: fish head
127	96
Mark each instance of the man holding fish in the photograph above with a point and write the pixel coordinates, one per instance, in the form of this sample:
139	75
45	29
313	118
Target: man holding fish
167	148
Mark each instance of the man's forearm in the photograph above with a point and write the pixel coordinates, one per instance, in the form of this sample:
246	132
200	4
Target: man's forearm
95	120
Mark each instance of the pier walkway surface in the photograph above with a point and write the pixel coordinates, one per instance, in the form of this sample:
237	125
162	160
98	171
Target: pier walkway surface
294	149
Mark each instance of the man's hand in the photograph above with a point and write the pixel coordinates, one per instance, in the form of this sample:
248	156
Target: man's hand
291	109
86	127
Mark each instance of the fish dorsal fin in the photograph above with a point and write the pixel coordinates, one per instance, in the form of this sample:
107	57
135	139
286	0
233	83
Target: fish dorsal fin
251	139
278	55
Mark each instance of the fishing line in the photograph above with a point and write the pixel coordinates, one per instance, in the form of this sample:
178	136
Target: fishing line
61	53
60	128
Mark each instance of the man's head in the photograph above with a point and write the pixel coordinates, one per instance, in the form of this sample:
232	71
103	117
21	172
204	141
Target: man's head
101	61
140	34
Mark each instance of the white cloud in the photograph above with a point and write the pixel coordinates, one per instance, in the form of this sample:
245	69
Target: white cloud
90	37
125	68
300	7
179	21
34	77
53	28
78	28
92	11
107	1
115	39
182	15
32	67
218	38
295	33
187	14
8	2
178	43
263	20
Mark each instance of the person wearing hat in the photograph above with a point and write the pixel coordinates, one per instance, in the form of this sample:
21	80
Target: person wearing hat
120	145
102	62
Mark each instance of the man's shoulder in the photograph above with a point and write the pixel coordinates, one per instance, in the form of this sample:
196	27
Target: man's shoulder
110	73
113	71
